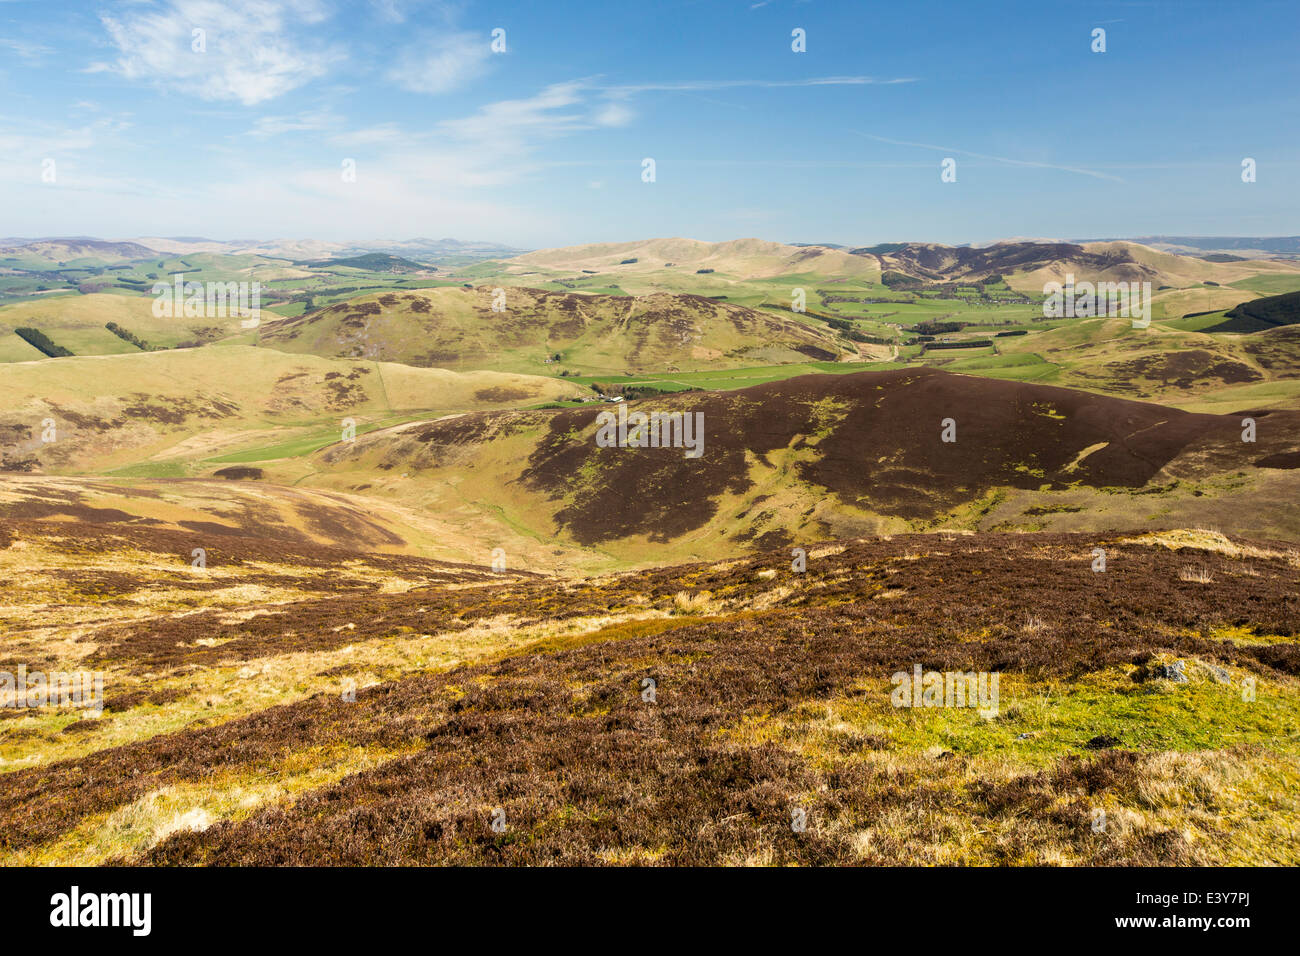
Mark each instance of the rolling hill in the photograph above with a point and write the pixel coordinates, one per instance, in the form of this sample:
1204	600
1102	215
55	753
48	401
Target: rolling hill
370	262
1247	246
54	251
79	324
761	273
455	611
1027	266
827	456
1262	315
1158	363
734	259
457	328
167	413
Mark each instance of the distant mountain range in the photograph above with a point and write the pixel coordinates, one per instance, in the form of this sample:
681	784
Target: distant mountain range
77	247
1251	247
1025	265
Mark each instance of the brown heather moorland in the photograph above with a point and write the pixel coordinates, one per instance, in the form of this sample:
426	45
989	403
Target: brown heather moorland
819	457
227	738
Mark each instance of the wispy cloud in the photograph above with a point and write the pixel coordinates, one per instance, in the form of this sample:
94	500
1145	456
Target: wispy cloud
26	145
400	11
508	125
450	165
705	85
267	126
441	64
613	114
28	141
25	49
253	50
369	135
1004	160
389	10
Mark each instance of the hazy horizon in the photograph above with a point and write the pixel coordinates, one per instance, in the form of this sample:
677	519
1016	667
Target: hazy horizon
361	241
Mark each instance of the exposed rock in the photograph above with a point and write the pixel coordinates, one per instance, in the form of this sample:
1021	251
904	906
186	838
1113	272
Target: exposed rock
1176	672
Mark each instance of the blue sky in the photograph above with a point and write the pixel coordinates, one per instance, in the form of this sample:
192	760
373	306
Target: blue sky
543	145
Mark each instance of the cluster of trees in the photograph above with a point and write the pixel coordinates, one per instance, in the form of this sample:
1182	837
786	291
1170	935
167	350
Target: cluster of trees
899	280
971	344
933	327
633	392
990	289
131	337
39	340
850	332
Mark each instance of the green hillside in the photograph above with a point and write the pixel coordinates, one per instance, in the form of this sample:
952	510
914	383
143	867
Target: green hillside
1259	315
542	332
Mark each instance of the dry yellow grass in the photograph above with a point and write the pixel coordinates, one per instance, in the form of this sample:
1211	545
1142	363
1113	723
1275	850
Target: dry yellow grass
1202	539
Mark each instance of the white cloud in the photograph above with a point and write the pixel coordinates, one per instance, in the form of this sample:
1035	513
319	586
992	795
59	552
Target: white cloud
275	125
614	114
441	65
255	50
508	124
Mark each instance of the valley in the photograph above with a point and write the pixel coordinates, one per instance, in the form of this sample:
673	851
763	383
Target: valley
366	565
